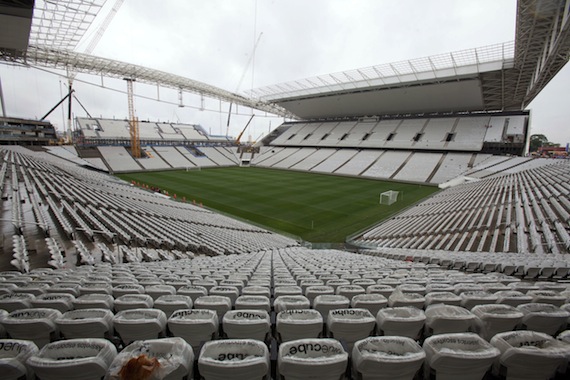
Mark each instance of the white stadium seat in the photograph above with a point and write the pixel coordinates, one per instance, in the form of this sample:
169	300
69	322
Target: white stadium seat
350	325
133	301
194	326
94	301
442	319
298	324
529	355
405	321
387	358
244	324
139	324
497	318
245	359
170	303
543	317
14	354
86	323
371	302
232	292
256	302
291	302
35	324
312	358
59	301
74	359
464	356
220	304
166	358
192	291
156	291
327	302
16	301
445	297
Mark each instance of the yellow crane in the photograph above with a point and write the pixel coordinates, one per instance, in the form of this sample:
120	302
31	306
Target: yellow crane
238	139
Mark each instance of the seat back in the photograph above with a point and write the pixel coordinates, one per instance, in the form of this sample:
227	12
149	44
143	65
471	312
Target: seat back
234	358
86	323
140	324
14	354
405	321
76	359
459	355
298	324
312	358
166	359
35	324
387	357
243	324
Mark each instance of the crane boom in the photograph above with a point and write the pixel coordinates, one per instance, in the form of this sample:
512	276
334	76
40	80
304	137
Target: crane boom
243	130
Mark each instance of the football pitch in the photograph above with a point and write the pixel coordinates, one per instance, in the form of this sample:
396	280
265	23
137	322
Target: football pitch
318	208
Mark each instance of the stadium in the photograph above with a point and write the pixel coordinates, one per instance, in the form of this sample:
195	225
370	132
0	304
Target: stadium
392	226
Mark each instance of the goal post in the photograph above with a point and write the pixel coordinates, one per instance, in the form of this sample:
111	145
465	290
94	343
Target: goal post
389	197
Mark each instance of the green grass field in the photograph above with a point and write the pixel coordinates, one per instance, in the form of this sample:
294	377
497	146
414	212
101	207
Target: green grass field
315	207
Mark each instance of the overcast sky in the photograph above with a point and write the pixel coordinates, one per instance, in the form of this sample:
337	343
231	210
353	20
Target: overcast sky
213	41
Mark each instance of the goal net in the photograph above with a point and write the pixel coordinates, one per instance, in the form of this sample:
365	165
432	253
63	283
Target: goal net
389	197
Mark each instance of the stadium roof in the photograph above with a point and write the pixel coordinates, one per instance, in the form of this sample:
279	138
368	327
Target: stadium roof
494	78
500	77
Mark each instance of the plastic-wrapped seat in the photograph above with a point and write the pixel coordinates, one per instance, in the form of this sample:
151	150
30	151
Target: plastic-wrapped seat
445	319
130	288
372	302
140	324
94	301
400	299
220	304
327	302
529	355
387	358
350	325
194	326
445	297
312	359
469	299
68	288
234	359
497	318
232	292
156	291
255	302
192	291
165	359
244	324
512	297
16	301
405	321
170	303
95	287
547	296
350	291
313	291
86	323
14	354
385	290
464	356
133	301
298	324
58	301
35	324
543	317
292	302
287	290
256	290
76	359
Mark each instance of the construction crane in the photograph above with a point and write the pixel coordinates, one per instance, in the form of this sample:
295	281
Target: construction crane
241	80
133	121
238	139
88	50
